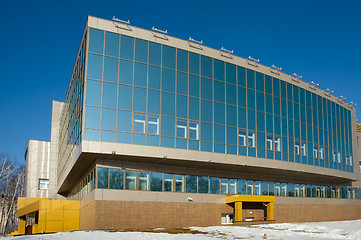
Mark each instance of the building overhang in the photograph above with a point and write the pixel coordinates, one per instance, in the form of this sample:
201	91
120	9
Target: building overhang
251	167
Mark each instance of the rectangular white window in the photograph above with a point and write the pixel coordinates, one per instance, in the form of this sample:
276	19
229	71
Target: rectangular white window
182	128
315	151
269	142
227	218
297	147
153	124
339	157
139	123
351	162
303	190
251	139
303	148
277	144
297	190
257	187
242	141
334	156
250	188
321	152
194	130
43	184
143	181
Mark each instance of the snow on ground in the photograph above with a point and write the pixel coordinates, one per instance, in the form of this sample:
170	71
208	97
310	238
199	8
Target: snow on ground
281	231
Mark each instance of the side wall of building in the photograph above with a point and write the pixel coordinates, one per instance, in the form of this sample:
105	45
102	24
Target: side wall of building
37	159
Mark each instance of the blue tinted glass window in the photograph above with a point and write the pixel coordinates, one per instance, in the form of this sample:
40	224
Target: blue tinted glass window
268	84
167	126
296	94
261	140
193	85
168	60
182	83
125	72
284	108
219	91
168	104
206	111
206	146
153	101
168	80
181	143
230	73
92	117
93	93
110	69
277	106
276	87
141	50
231	94
109	119
138	139
260	121
154	77
206	132
260	101
269	104
109	95
259	82
206	88
108	136
219	133
123	137
154	53
231	115
95	65
289	92
124	121
140	74
96	41
111	44
251	97
231	135
296	112
139	99
206	66
241	72
251	120
194	108
242	97
302	96
250	79
242	118
219	113
283	90
182	60
126	47
91	134
218	69
277	122
182	106
193	63
269	123
125	97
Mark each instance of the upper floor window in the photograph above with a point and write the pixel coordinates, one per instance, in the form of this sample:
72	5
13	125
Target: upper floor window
43	184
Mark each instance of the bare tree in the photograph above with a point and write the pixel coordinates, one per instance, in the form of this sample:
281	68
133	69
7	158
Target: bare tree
11	187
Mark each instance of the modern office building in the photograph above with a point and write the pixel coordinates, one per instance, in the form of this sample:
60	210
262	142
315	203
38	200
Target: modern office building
156	131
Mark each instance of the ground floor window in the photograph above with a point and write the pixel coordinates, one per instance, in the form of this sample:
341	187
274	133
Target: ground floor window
227	218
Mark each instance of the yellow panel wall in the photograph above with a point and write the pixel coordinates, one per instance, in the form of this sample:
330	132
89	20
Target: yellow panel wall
53	215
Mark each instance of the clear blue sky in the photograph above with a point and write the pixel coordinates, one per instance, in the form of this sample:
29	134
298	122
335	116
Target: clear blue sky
320	40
